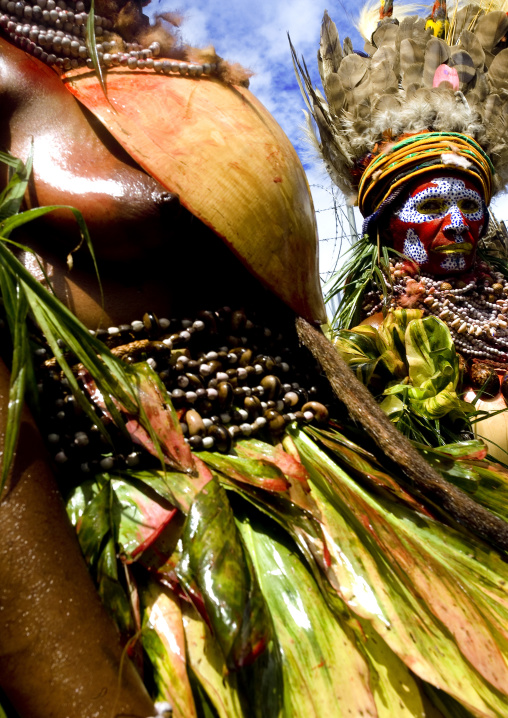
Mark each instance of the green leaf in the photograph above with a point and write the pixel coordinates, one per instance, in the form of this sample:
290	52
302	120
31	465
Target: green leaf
177	488
142	518
255	690
11	161
12	196
91	44
322	666
20	361
98	538
214	559
359	348
207	664
261	473
164	643
18	220
354	280
430	351
160	430
366	467
393	406
436	596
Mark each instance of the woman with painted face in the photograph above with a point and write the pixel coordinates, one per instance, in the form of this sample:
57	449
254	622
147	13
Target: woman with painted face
422	157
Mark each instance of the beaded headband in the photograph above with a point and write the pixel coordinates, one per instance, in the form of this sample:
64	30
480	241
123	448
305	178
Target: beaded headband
419	154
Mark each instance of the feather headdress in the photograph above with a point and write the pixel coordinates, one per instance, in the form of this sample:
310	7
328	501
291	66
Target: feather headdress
410	81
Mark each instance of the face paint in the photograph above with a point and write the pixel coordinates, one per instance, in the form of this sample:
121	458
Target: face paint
439	225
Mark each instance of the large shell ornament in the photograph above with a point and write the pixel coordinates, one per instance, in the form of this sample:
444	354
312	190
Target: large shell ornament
221	151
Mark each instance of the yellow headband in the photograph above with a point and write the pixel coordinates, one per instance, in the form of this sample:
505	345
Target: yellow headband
417	155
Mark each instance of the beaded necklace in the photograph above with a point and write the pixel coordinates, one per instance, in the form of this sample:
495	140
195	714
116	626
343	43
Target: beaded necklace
54	31
229	377
476	311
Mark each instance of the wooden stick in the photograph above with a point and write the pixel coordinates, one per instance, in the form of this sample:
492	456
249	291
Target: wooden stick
429	484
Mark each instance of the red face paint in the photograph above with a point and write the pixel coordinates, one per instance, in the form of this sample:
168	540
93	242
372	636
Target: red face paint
439	225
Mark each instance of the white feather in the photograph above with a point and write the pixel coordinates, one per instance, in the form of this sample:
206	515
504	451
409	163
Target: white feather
451	158
369	15
486	5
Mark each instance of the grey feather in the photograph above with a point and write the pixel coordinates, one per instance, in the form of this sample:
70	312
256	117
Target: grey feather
490	28
363	109
385	56
387	59
382	78
386	35
369	49
474	101
463	19
386	103
411	53
352	70
348	47
411	91
436	53
406	27
488	59
391	92
335	93
463	63
359	95
480	86
413	27
492	108
472	45
413	75
330	49
498	72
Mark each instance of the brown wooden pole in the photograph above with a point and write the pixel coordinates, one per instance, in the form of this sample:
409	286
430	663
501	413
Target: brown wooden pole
423	478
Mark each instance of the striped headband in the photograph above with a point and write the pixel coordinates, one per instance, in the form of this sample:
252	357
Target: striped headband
417	155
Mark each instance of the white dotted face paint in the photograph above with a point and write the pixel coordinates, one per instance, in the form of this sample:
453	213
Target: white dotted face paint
414	248
439	225
447	197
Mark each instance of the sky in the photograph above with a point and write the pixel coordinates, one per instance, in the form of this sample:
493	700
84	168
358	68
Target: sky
254	33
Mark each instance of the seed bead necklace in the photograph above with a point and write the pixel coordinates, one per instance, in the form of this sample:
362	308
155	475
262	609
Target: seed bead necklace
54	31
476	311
229	377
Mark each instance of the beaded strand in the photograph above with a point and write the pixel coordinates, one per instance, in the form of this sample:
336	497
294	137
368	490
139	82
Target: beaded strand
476	313
228	378
54	31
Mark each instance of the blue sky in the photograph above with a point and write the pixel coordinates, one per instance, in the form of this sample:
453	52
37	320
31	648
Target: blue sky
254	33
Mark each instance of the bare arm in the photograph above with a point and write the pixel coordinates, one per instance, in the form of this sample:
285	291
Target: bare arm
59	652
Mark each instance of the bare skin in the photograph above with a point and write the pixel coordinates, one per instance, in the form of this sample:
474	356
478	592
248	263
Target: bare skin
153	255
59	653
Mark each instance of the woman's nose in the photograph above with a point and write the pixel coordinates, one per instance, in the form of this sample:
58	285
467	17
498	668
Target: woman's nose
455	221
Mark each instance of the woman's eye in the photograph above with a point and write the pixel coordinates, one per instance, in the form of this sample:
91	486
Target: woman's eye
431	206
468	205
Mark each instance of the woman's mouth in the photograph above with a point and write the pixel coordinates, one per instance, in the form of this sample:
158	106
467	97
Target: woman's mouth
455	248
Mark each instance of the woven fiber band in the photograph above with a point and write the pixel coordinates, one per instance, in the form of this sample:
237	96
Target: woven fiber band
417	155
